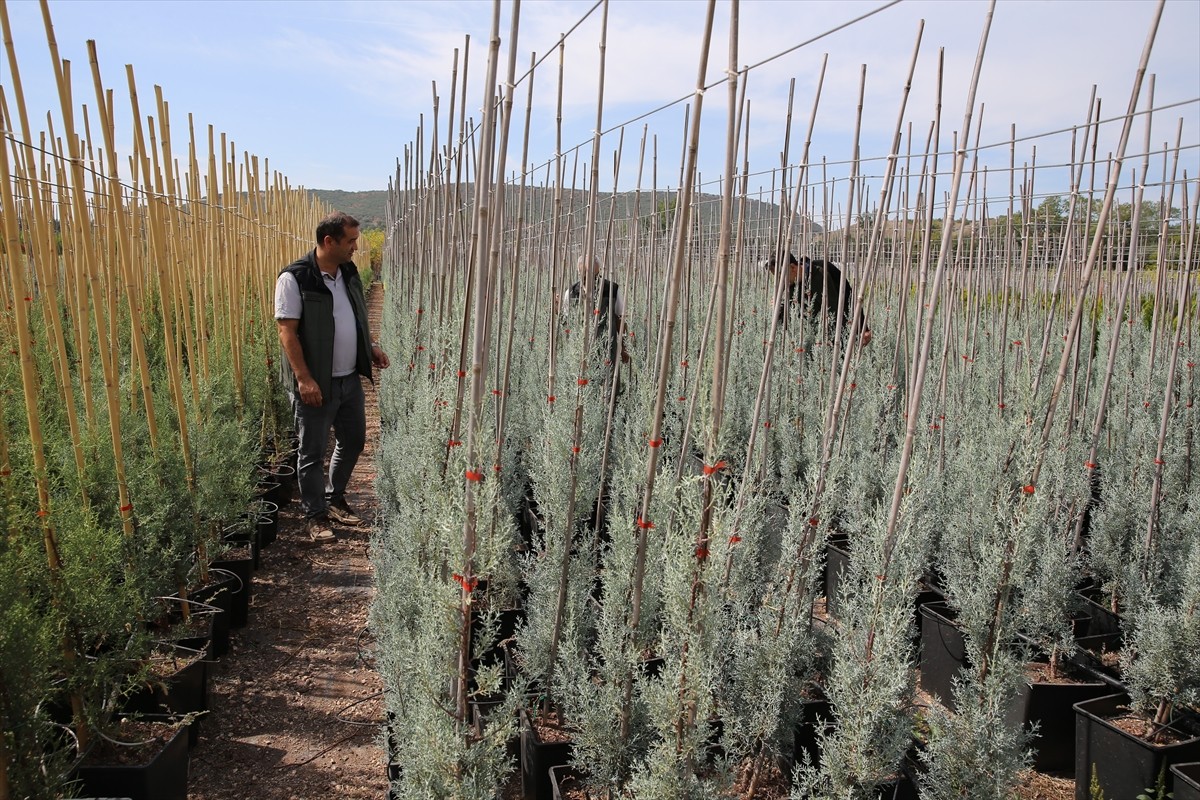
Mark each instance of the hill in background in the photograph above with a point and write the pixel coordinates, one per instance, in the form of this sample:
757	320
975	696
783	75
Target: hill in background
369	208
366	207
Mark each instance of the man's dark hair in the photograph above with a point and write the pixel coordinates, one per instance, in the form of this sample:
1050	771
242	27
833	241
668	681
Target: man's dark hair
789	259
335	225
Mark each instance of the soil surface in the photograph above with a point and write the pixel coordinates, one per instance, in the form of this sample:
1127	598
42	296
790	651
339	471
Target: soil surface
295	707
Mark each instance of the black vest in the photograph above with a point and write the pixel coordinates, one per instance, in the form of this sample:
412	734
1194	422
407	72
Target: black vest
605	299
316	320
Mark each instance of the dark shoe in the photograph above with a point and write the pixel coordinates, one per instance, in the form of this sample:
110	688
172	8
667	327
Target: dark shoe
318	531
340	512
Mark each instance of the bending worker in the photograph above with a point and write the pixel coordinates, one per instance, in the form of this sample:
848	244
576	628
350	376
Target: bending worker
819	288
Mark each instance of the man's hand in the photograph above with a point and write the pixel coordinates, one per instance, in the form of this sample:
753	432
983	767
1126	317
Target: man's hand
310	392
289	340
379	358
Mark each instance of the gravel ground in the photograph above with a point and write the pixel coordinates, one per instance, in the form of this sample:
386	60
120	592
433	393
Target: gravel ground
295	710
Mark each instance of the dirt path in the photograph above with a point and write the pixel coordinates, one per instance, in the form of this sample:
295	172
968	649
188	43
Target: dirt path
287	697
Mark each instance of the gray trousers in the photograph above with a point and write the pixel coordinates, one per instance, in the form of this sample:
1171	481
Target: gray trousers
344	413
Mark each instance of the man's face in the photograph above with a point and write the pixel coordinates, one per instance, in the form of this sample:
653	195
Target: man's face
344	249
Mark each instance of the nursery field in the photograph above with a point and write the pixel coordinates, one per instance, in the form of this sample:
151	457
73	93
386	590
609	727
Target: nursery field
659	522
877	481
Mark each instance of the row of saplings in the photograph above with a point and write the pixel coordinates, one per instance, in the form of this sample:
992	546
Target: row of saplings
688	649
1071	715
174	687
126	727
1055	678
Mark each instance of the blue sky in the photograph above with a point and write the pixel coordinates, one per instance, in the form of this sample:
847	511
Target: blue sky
331	92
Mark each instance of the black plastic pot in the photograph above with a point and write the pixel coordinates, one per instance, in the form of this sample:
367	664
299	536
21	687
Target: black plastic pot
277	483
1124	766
265	515
219	594
1050	707
164	777
925	596
537	757
562	779
184	692
243	570
1091	655
1101	619
245	534
1187	780
816	716
943	651
394	769
196	635
837	561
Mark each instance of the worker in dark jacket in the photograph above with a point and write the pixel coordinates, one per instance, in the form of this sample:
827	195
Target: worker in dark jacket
321	313
608	303
818	286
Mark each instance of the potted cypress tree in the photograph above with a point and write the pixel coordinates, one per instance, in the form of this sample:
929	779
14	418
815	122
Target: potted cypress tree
1124	742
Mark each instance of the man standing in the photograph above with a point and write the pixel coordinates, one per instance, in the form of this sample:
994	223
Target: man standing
321	312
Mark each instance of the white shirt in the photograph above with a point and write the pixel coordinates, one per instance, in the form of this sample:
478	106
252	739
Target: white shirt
617	306
288	305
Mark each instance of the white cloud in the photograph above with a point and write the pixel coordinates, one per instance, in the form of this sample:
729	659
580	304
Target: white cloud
290	79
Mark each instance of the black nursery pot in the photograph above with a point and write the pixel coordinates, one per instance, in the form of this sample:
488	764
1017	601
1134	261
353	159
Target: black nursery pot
245	535
1124	765
163	777
243	570
277	483
265	515
1101	619
562	779
537	757
837	561
197	635
1187	781
219	593
943	651
1050	707
394	770
184	692
816	716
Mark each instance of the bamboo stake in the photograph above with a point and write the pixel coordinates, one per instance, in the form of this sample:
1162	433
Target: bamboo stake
920	366
479	371
158	249
1097	240
19	298
101	317
644	522
45	256
1152	524
124	254
588	299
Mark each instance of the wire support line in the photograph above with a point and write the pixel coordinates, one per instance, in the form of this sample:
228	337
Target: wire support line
461	143
812	184
174	200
